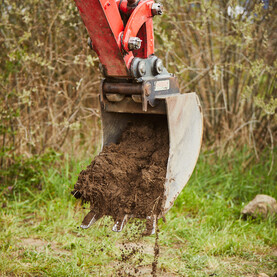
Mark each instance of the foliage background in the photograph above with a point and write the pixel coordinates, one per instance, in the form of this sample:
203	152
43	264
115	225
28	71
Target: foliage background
49	78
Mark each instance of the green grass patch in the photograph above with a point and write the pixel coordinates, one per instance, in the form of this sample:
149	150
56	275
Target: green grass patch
204	234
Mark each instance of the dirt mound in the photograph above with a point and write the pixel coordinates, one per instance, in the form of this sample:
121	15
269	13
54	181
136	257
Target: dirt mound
128	177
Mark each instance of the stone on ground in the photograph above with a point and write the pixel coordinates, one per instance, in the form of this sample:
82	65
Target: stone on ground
262	205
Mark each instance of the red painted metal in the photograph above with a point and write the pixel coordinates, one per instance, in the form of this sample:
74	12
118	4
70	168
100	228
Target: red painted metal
104	24
147	36
109	35
145	30
141	15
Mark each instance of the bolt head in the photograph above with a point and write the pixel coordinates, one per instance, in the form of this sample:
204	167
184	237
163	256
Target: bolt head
134	43
157	9
159	66
142	68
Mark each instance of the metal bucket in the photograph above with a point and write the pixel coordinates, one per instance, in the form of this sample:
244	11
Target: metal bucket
183	116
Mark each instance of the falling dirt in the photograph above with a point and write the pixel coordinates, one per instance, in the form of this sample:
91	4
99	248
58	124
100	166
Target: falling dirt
128	177
135	252
156	253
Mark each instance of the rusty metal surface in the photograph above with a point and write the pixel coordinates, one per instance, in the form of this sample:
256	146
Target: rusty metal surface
114	97
137	98
113	124
127	105
151	91
123	88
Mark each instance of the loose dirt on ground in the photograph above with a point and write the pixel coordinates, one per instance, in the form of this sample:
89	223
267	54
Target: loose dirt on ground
135	253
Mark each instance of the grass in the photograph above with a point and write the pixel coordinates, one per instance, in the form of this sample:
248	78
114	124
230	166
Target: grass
204	234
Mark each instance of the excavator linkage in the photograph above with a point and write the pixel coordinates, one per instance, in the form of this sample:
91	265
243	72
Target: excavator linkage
137	86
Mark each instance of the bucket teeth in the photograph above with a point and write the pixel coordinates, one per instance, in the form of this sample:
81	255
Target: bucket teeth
120	223
90	219
151	222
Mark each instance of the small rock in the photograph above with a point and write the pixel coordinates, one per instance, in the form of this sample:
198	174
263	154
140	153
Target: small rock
261	205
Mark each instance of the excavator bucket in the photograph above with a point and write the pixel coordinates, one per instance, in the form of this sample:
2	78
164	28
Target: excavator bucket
184	120
138	88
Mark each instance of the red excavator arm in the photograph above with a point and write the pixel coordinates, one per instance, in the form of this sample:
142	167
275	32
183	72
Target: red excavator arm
116	44
137	88
121	33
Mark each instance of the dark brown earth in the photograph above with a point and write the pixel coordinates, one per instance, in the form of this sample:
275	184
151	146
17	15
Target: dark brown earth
128	177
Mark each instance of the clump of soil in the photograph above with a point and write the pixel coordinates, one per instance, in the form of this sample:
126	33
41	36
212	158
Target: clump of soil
128	177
